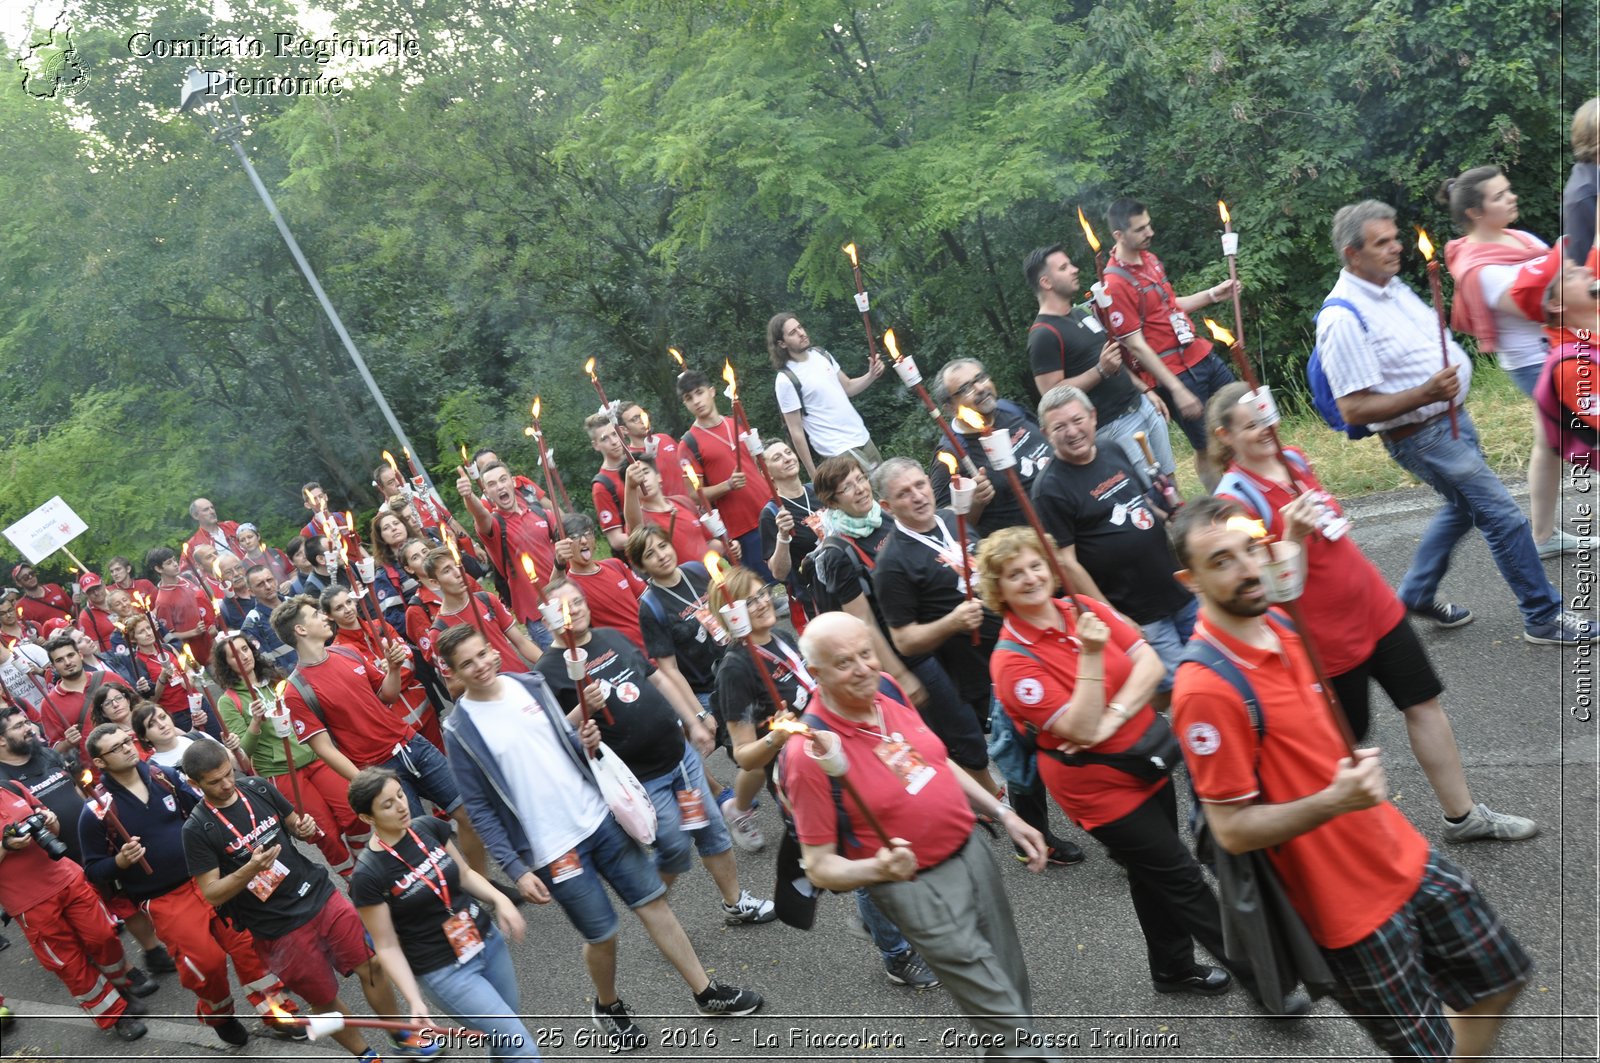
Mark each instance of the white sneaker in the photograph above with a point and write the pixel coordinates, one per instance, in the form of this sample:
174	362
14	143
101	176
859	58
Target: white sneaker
1562	543
1485	824
742	825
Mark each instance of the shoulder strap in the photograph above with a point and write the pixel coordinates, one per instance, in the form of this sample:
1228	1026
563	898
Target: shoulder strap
691	443
843	833
1204	653
611	489
1343	304
1060	339
794	378
1113	266
299	682
1016	647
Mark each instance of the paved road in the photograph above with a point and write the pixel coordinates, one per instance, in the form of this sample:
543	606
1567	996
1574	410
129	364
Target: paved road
1525	751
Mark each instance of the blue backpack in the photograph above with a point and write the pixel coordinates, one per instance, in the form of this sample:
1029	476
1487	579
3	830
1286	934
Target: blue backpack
1317	378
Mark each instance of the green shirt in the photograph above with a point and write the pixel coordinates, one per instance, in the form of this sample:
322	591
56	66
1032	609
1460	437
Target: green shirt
263	747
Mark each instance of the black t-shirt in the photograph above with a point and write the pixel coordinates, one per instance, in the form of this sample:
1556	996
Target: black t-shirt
1071	345
1033	453
917	585
807	514
644	730
418	912
741	694
47	776
208	845
1101	508
677	622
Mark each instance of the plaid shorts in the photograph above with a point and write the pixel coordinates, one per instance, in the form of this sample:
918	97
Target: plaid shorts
1445	945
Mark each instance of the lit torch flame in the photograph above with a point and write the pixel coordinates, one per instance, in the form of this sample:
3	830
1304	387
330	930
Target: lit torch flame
890	345
949	462
389	459
278	690
566	612
528	570
850	249
455	554
677	356
588	367
713	563
1222	209
86	780
538	404
278	1013
731	380
968	416
794	727
464	458
1218	333
1424	244
688	472
186	658
1253	528
1088	232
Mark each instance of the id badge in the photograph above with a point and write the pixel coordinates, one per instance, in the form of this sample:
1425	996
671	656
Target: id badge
1181	327
907	763
691	810
565	867
462	933
1092	323
709	626
265	883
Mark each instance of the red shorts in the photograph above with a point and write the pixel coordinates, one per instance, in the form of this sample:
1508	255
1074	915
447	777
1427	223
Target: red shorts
306	957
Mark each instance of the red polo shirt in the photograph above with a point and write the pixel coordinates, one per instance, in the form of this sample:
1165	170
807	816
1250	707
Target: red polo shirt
613	596
54	604
741	508
524	532
1149	307
365	729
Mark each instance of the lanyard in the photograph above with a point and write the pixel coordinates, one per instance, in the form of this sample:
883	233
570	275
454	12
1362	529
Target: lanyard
691	605
717	434
948	545
798	502
215	811
442	890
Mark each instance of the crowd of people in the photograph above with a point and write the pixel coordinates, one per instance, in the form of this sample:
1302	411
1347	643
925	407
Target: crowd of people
362	753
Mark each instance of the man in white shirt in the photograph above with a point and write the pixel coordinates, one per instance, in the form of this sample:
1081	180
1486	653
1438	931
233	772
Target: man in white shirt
814	396
525	777
1379	344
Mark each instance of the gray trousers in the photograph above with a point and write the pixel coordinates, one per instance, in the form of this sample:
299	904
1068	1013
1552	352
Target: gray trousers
957	917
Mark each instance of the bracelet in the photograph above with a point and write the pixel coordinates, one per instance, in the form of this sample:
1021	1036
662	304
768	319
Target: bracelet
785	540
1118	708
1092	678
1101	371
702	714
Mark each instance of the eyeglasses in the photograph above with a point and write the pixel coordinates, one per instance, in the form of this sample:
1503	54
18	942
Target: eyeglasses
966	389
759	598
123	746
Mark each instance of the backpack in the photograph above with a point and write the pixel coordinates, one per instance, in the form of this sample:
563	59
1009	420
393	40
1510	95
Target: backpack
806	577
1322	396
794	379
1238	485
309	695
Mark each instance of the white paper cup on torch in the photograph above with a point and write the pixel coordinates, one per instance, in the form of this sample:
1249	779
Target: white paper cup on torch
1230	244
1102	297
197	701
752	442
1263	405
324	1024
651	445
714	526
577	662
282	726
824	748
368	568
551	614
1284	574
863	303
907	370
997	445
961	491
737	617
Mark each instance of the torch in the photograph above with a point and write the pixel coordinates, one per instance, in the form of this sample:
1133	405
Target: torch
738	412
1099	298
605	403
824	748
552	482
709	516
325	1024
468	466
1425	245
961	502
388	459
472	602
1230	251
576	660
283	727
106	809
194	569
863	303
906	369
677	356
1259	397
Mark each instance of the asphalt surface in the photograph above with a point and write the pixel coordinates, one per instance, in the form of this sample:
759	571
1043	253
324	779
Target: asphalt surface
1516	711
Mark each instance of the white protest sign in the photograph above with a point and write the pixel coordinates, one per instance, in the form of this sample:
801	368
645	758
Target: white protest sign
46	530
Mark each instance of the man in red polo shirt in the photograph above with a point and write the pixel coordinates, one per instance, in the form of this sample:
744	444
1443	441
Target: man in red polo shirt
635	421
610	586
509	529
727	472
185	609
95	618
64	710
40	602
220	535
1404	931
607	488
1153	324
457	606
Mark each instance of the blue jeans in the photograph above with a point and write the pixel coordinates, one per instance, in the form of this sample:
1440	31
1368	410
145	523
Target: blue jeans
750	555
540	634
425	773
481	994
1142	418
1168	636
612	854
1525	377
673	842
885	935
1473	496
1205	378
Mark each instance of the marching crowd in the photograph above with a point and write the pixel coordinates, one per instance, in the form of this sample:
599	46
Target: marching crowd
363	753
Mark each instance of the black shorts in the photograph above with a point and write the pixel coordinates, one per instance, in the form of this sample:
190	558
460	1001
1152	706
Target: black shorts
1400	665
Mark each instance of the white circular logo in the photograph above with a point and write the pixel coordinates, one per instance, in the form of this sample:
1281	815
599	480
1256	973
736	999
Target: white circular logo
1029	691
606	516
1202	739
1142	518
1116	319
628	693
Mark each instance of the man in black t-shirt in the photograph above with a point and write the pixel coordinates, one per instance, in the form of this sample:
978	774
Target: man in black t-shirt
240	845
649	716
1067	344
25	759
965	382
1111	538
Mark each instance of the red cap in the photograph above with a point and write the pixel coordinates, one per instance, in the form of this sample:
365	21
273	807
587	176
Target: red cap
53	625
89	579
1533	281
16	570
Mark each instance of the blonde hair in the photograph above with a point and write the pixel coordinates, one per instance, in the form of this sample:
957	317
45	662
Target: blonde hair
998	551
736	586
1586	131
1219	414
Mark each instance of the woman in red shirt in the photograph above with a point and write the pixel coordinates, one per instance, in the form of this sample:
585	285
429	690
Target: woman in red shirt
165	673
1079	677
1358	624
369	638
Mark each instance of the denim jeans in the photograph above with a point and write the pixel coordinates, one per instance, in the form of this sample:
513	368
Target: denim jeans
1473	496
481	995
885	934
1142	418
611	854
424	773
673	842
1168	636
540	634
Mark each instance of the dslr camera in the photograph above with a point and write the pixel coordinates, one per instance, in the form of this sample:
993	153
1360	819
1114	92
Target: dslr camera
34	827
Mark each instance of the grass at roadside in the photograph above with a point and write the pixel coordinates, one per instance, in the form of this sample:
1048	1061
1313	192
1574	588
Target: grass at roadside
1502	414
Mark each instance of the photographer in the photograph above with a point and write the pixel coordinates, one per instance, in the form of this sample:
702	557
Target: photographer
69	929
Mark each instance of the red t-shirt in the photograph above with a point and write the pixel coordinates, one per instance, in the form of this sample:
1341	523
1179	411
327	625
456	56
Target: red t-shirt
412	694
937	819
1348	875
683	527
136	587
527	532
1036	690
365	729
608	497
60	708
171	693
54	604
1348	604
31	876
740	509
1132	310
492	621
669	458
98	625
613	596
183	608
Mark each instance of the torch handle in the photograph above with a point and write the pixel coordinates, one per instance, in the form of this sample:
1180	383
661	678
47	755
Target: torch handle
1437	290
1238	311
944	426
122	832
871	817
778	704
866	317
966	566
1032	515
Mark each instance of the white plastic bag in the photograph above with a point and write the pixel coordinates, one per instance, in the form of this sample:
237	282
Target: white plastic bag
625	795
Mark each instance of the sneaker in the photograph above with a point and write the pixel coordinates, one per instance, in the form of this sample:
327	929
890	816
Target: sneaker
139	983
1563	629
414	1045
723	1001
369	1056
1562	543
1443	614
129	1028
742	825
1062	854
1485	824
159	961
232	1033
7	1017
726	795
748	909
616	1022
908	969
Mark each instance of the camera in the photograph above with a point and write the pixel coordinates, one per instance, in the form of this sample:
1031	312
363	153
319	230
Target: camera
33	827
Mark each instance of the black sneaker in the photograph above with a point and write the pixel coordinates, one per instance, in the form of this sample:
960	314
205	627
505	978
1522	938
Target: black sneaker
129	1028
724	1000
909	969
139	983
616	1022
1443	614
233	1033
1062	854
159	961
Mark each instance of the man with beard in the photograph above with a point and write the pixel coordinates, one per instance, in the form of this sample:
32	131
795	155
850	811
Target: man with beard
964	382
512	530
64	713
